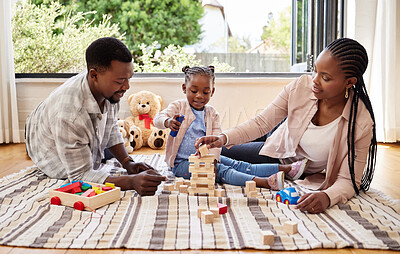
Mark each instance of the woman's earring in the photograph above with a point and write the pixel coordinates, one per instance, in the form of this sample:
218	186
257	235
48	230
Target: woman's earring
346	95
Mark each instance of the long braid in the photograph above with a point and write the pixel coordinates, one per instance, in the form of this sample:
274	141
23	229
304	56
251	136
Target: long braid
353	60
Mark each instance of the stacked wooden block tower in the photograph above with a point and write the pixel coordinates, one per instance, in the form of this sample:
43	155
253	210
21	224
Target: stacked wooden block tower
203	176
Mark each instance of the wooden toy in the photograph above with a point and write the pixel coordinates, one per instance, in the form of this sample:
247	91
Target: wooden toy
200	210
219	193
215	211
84	202
169	186
252	194
207	217
89	193
202	179
267	237
290	227
250	186
222	208
183	188
203	150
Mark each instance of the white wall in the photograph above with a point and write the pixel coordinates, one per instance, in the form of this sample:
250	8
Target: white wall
236	99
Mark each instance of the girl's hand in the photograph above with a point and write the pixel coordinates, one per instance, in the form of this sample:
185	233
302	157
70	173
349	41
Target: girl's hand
172	123
211	141
316	202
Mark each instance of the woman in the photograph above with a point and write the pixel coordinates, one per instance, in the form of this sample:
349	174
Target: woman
329	120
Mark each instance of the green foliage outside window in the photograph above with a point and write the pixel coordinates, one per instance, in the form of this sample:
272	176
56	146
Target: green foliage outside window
276	34
171	59
50	39
144	21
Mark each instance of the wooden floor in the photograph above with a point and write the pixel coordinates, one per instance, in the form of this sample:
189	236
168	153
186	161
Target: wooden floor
386	179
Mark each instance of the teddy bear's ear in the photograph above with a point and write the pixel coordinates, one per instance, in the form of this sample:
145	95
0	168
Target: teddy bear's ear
126	127
161	100
130	97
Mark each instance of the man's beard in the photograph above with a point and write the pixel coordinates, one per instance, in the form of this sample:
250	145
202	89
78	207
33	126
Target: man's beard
111	100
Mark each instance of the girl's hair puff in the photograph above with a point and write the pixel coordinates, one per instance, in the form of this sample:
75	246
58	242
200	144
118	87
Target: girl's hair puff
199	70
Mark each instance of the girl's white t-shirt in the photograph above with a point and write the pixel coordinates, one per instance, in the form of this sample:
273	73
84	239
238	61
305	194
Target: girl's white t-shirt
315	145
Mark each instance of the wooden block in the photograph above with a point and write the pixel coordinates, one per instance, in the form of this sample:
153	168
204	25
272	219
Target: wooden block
201	169
200	209
186	182
208	158
219	192
177	185
290	227
70	187
203	150
267	237
215	211
222	208
193	191
169	186
250	186
207	217
202	183
89	193
110	185
252	194
183	188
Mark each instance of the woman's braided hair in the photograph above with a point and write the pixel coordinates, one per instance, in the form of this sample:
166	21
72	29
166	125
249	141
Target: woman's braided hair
199	70
353	60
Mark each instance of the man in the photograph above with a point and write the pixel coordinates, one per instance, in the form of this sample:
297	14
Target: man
67	133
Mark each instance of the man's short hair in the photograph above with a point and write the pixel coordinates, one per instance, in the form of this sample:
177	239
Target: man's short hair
102	51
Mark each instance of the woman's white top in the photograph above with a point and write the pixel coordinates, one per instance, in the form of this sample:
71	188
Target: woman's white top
314	145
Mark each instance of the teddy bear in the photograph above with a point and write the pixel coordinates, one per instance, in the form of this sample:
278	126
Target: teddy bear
144	106
123	125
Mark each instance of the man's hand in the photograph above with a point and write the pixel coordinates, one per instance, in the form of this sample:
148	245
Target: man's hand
316	202
144	183
137	167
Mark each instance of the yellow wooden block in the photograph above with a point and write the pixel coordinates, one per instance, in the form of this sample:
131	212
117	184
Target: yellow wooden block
110	185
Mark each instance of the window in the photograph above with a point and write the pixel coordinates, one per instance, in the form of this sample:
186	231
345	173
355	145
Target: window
265	36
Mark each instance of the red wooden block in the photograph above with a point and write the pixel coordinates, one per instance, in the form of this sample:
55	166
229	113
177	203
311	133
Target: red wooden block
106	188
89	193
69	187
222	208
76	190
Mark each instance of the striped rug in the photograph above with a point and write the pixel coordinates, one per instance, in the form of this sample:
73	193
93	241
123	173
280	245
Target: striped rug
168	221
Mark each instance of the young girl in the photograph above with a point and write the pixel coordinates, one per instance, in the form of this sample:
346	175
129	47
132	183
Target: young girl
201	119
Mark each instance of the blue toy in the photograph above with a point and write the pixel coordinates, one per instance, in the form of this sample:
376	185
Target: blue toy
288	196
179	119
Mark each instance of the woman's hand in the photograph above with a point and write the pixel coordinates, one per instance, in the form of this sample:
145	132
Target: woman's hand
316	202
211	141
